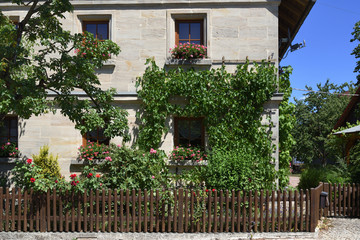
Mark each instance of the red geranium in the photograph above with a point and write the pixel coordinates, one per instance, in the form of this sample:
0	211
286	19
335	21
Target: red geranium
29	161
32	180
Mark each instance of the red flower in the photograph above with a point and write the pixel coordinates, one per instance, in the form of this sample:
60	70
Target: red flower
56	181
98	175
206	190
213	190
72	176
89	175
32	180
29	161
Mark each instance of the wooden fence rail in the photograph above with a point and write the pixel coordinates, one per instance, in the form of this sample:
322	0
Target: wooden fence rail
173	210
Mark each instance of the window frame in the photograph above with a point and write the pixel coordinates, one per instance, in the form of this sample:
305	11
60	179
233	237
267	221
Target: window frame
195	20
107	22
9	118
86	135
176	129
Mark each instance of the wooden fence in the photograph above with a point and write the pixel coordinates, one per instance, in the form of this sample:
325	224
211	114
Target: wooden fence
343	200
164	211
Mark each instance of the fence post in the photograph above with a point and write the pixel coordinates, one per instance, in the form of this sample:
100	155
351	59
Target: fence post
314	207
326	188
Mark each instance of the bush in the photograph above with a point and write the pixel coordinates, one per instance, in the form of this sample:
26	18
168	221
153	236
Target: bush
48	163
127	168
27	175
238	169
313	175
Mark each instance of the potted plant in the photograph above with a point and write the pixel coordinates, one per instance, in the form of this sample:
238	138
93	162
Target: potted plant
188	51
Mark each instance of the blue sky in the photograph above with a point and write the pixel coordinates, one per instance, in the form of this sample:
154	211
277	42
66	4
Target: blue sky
327	55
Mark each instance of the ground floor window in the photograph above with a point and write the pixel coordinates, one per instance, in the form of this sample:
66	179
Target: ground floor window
9	130
189	131
97	136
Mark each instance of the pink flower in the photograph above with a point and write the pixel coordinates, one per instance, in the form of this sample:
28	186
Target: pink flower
8	143
152	151
108	158
83	53
153	177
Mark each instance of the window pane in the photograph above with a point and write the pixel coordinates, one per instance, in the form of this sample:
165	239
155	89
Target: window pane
13	128
102	31
195	42
91	27
184	31
195	30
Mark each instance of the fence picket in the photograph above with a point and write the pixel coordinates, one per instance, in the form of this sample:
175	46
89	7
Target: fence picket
261	209
85	215
255	211
109	210
139	211
232	211
227	211
116	210
238	216
151	214
25	209
221	211
295	211
145	211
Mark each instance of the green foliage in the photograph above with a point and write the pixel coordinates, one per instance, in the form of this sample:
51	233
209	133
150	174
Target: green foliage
26	175
313	175
316	115
232	105
356	51
48	163
9	149
237	169
134	169
28	76
287	122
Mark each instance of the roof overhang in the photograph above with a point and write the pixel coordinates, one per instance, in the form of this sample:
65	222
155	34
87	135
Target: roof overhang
292	14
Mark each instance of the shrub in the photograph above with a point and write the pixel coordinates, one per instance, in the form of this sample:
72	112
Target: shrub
27	174
128	168
188	51
238	169
48	163
311	177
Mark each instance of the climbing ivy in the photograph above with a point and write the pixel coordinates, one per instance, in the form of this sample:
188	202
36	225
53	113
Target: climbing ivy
231	103
287	122
232	107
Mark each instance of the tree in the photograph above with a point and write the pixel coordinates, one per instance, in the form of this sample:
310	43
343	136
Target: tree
39	59
316	115
356	51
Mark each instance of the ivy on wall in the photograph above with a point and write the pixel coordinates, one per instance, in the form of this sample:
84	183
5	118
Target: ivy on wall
231	103
232	107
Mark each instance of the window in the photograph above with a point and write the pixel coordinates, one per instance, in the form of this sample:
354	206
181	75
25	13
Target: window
9	130
97	136
189	31
189	131
100	29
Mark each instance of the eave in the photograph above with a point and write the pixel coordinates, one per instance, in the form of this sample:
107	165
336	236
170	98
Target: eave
292	14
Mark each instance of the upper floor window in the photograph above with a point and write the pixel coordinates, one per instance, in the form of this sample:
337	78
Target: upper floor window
189	31
97	136
100	29
9	130
189	131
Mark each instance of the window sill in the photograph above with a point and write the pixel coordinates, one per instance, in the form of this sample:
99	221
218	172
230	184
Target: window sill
109	63
187	163
199	62
82	162
8	160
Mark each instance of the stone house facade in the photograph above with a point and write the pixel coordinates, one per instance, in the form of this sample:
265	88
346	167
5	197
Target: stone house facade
232	30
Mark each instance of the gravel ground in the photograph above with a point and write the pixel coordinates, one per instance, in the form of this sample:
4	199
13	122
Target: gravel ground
341	228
